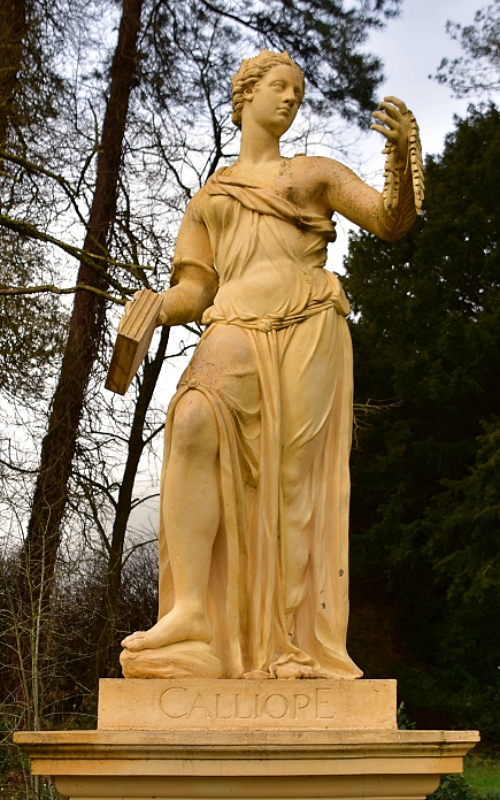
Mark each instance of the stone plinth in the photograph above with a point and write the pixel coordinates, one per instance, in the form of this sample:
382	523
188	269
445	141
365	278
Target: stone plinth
189	704
254	764
215	740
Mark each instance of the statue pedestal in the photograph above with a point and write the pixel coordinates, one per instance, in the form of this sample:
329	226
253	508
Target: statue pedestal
218	741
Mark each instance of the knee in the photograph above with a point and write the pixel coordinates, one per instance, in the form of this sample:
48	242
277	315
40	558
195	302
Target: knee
296	552
292	481
194	430
297	512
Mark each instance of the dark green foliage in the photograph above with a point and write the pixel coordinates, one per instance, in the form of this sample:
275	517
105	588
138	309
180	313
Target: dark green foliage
426	476
403	720
455	787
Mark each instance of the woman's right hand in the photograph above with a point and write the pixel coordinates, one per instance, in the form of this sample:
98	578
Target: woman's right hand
165	314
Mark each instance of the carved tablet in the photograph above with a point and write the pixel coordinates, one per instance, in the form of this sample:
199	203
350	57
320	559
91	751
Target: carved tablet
133	340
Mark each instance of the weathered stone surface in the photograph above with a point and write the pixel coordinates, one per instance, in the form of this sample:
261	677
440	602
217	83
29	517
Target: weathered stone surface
236	704
254	508
404	765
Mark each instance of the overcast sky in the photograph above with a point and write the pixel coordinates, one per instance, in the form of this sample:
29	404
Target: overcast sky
411	48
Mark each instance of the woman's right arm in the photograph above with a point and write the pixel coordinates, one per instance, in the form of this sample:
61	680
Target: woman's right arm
194	281
187	301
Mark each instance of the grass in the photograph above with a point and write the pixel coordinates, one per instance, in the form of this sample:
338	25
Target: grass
482	772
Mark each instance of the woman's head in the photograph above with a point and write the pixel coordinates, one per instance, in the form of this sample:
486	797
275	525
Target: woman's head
251	72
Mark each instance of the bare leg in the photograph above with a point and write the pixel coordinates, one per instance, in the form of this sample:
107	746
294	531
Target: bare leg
191	512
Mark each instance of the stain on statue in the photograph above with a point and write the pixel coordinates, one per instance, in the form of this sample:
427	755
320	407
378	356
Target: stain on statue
255	483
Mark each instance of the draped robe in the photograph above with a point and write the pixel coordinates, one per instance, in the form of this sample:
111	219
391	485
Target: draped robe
275	364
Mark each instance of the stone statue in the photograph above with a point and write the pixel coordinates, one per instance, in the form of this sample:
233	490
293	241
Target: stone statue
255	483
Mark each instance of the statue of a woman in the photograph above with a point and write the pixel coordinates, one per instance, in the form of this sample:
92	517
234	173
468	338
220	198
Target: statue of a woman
255	481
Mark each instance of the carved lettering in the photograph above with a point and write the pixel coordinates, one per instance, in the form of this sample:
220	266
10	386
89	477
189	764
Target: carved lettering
199	705
321	701
218	710
181	703
300	701
165	702
277	709
237	709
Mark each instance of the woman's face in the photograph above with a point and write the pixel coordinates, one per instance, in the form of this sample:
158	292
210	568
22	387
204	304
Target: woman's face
274	101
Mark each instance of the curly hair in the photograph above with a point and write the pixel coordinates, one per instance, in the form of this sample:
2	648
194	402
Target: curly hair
251	71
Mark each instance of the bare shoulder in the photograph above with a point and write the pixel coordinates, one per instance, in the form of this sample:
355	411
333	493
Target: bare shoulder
323	177
322	170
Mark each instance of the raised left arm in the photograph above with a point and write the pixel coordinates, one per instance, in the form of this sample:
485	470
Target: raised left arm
391	213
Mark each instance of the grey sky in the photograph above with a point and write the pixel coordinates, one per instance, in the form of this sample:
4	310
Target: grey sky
411	48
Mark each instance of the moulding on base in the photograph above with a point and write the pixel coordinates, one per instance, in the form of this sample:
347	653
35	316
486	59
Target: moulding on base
142	765
212	740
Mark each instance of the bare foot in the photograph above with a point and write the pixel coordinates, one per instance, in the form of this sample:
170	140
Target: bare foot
176	626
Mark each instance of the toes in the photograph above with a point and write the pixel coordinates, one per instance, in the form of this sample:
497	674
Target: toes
136	644
132	639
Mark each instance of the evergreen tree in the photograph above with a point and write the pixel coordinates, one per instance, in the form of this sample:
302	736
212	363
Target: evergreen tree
425	512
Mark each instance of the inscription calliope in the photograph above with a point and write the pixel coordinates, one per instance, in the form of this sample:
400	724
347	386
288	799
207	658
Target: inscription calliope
181	703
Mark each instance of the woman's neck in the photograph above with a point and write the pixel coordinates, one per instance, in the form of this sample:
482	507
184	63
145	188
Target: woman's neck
258	146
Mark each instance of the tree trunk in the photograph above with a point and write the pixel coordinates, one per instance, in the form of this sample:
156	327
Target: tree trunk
104	630
12	32
58	447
